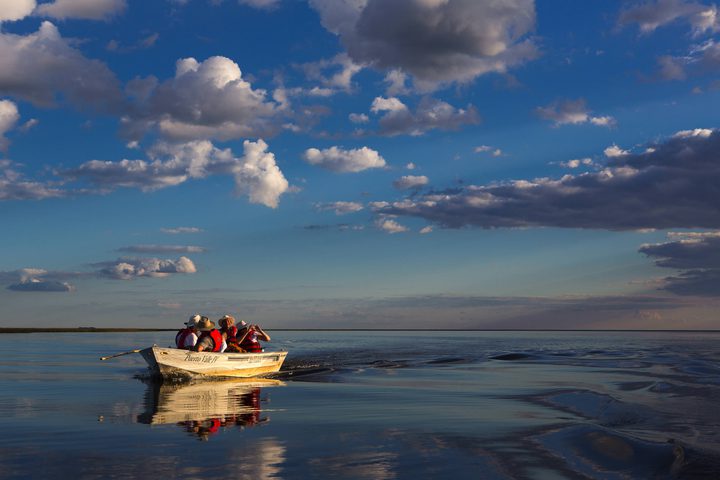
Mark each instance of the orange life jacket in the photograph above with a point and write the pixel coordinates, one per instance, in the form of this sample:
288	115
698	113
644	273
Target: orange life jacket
216	338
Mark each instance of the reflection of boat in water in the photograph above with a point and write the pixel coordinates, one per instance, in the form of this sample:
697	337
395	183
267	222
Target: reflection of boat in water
202	408
173	362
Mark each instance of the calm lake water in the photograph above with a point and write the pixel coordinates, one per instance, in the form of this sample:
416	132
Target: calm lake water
370	405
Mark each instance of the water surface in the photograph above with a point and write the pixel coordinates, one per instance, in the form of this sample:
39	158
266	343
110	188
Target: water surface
370	405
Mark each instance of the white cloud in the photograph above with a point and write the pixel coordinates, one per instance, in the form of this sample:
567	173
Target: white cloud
389	225
358	118
82	9
256	173
483	148
205	100
396	81
410	181
697	132
572	112
436	42
11	10
614	151
340	208
426	230
430	114
179	230
258	176
129	268
652	15
8	118
410	166
344	161
39	66
576	163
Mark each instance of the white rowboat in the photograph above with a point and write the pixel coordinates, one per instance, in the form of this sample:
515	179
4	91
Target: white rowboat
174	362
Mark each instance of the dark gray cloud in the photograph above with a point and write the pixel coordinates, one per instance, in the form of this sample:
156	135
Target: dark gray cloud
208	99
435	42
697	255
430	114
42	67
674	184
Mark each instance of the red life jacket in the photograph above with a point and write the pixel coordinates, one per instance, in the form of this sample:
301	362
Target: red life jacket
216	338
250	343
181	336
231	334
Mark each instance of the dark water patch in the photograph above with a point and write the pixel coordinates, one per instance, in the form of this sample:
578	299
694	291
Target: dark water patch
601	453
599	408
513	356
447	360
634	386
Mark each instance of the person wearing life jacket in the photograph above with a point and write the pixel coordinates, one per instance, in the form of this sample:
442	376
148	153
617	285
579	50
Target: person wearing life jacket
210	338
186	338
249	336
229	332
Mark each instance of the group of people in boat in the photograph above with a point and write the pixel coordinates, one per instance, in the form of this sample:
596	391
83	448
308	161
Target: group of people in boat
200	335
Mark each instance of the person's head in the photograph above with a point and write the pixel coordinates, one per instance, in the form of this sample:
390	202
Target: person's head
205	324
226	321
243	324
193	322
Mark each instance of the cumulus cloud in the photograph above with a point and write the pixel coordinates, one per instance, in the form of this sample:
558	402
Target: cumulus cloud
82	9
340	208
42	66
671	185
573	112
179	230
208	99
436	42
389	225
344	161
162	249
410	181
129	268
652	15
614	151
8	118
398	119
696	254
256	172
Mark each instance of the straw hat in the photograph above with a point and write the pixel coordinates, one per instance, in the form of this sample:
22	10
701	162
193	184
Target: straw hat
206	325
226	320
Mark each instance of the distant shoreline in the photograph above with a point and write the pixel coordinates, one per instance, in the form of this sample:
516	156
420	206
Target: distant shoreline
136	330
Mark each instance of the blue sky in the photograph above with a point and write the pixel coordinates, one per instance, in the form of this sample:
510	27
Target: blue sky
360	163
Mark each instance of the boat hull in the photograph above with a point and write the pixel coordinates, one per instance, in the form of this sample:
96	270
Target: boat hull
174	362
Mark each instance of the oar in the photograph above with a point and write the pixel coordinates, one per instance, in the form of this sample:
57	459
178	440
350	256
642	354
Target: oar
120	354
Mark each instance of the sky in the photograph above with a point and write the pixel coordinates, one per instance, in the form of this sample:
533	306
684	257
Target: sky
360	163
